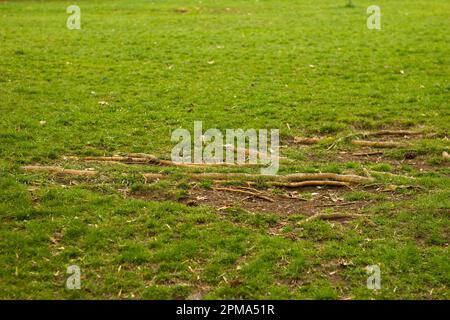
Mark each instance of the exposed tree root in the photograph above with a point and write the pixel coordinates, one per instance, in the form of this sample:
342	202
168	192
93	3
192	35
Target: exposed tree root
258	154
378	144
149	159
131	160
295	177
375	144
310	184
369	153
392	133
253	194
391	174
343	204
301	140
152	177
296	180
338	140
392	187
59	170
333	216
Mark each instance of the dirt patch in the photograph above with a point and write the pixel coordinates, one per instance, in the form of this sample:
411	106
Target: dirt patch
288	203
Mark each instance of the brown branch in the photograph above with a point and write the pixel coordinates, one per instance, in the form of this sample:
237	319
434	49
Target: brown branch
59	170
257	195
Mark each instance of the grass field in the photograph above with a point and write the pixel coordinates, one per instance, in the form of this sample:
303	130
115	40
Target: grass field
137	70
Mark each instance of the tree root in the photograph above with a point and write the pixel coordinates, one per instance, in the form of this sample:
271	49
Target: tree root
343	204
333	216
310	183
392	133
378	144
152	177
143	158
295	177
253	194
391	174
369	153
301	140
59	170
296	180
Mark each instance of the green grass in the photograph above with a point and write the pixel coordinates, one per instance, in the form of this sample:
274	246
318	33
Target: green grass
311	66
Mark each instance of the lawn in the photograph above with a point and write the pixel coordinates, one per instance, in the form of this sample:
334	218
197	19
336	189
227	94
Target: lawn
137	70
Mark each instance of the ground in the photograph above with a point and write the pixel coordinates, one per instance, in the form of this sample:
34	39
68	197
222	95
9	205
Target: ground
137	70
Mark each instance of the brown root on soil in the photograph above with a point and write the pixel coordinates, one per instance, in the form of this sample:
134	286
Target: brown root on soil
257	153
392	133
378	144
301	140
333	216
311	183
59	170
294	177
391	174
253	194
149	159
283	203
368	153
152	177
295	180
